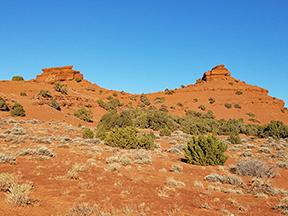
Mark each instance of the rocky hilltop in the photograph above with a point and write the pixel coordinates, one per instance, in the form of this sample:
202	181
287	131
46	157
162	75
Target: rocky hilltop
218	91
56	74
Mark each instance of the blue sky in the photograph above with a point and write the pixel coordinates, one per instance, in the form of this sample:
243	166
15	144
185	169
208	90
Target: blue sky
147	45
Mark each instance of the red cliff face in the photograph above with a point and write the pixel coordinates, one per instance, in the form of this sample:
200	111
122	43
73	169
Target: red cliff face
218	72
56	74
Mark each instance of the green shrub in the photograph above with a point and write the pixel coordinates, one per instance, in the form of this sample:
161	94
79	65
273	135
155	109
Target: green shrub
144	100
226	127
205	150
17	78
234	138
159	100
17	110
54	104
61	88
228	106
163	108
111	105
129	138
169	92
3	105
275	129
87	133
165	132
45	94
23	94
84	114
77	79
238	92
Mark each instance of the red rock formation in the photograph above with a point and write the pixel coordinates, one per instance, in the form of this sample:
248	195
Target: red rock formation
56	74
218	72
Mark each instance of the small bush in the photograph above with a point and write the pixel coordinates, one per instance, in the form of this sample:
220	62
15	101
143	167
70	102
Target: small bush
129	138
165	132
111	105
254	168
3	105
275	129
228	106
211	100
163	108
234	138
87	133
77	79
202	107
144	100
205	150
84	114
61	88
159	100
17	78
169	92
54	104
23	94
45	94
18	110
232	180
238	92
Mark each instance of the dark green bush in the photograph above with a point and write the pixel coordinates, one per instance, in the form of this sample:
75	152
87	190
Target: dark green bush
84	114
205	151
228	106
87	133
129	138
3	105
17	78
165	132
54	104
238	92
17	110
211	100
275	129
234	138
45	94
23	94
77	79
202	107
111	105
169	92
61	88
237	106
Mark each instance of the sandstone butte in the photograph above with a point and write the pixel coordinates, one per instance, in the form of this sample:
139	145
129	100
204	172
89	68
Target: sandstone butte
248	102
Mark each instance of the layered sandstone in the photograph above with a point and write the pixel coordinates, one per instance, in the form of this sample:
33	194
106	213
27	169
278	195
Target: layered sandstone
218	72
56	74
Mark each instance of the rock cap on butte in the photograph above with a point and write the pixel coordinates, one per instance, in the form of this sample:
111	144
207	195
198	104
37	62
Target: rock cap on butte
217	72
56	74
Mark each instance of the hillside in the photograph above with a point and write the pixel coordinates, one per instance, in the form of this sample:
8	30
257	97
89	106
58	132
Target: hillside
217	91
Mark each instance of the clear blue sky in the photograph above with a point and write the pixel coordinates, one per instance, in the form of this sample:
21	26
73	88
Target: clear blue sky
147	45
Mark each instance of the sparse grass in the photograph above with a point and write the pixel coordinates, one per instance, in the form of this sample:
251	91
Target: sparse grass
19	195
254	168
232	180
173	183
5	158
81	209
6	181
54	104
73	173
169	92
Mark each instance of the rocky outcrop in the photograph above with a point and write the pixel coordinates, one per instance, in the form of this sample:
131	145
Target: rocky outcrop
218	72
56	74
